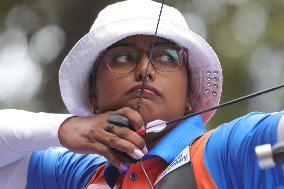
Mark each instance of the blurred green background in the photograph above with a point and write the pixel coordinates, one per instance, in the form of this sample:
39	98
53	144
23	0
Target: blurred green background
36	35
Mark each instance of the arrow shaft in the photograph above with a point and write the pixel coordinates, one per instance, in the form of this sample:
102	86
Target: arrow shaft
231	102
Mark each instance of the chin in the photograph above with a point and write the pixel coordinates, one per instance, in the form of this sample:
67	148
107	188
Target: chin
148	110
149	115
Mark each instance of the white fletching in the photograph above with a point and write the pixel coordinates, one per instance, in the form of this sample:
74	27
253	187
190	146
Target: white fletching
156	126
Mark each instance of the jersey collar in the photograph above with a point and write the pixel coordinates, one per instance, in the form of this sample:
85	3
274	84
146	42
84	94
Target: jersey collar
177	139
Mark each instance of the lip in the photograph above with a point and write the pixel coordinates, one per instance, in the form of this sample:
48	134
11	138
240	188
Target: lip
147	89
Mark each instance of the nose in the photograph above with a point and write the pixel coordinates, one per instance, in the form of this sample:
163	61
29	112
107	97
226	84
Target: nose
145	69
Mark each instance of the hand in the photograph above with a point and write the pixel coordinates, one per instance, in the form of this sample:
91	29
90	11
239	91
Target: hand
88	135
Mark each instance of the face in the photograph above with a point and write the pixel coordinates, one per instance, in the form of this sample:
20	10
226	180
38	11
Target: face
165	93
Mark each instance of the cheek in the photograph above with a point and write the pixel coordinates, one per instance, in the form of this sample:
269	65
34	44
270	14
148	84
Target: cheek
176	95
111	90
178	85
178	91
107	89
106	93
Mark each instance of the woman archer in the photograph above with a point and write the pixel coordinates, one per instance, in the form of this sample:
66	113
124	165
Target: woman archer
110	72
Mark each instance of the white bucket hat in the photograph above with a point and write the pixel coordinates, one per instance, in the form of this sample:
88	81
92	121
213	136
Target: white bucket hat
134	17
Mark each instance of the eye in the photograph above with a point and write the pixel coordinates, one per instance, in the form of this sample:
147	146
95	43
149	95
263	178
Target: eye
166	57
122	58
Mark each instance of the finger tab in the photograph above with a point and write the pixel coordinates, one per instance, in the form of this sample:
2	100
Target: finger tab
118	120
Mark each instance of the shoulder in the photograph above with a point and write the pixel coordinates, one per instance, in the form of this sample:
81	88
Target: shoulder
218	152
255	126
242	134
59	167
237	129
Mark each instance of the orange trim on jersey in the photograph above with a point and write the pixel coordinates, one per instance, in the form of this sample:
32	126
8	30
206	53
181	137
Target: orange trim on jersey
98	177
202	177
154	167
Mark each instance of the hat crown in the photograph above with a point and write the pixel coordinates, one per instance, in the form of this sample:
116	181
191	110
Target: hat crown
138	9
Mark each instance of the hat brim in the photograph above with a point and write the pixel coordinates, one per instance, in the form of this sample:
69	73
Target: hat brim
75	69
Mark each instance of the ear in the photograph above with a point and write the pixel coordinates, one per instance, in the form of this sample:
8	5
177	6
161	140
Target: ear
187	105
93	99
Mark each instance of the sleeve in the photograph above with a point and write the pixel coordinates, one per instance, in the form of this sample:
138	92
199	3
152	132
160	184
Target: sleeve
229	154
23	132
59	168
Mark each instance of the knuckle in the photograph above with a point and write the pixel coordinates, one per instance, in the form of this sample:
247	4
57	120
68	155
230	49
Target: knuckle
126	110
100	123
114	141
92	134
95	131
141	143
124	132
97	128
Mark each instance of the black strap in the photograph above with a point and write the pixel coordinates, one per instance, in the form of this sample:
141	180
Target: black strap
180	178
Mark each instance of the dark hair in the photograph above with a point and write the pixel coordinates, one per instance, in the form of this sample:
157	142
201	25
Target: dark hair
93	72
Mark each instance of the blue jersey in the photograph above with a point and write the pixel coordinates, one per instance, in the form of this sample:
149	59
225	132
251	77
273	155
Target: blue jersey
56	168
230	153
228	156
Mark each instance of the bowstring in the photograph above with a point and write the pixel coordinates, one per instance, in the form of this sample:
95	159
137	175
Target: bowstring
144	77
144	80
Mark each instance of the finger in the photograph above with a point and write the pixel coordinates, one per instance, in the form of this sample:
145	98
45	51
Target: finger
129	135
123	156
133	116
113	141
108	153
117	158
